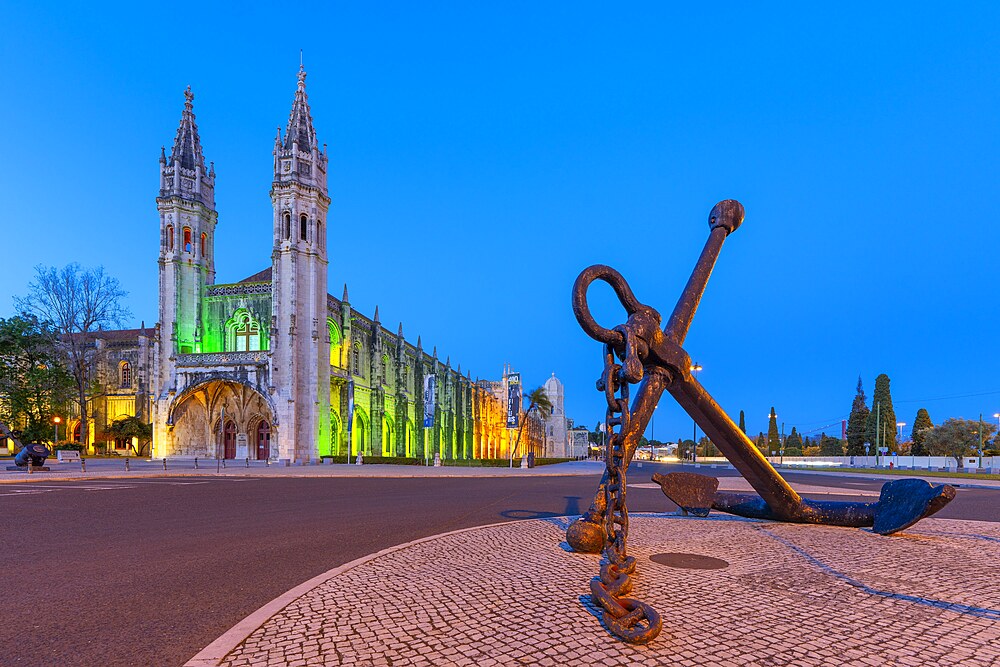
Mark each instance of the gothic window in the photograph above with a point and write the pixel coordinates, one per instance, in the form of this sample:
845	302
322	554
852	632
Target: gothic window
319	232
170	237
125	375
386	369
203	238
334	343
303	226
187	239
286	220
357	360
244	332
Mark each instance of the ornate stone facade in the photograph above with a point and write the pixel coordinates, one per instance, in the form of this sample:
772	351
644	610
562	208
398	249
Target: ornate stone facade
272	366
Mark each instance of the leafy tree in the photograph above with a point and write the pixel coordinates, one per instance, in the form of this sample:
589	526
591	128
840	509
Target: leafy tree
128	428
793	444
957	437
830	446
34	382
538	401
857	423
812	450
743	423
881	424
706	447
761	443
773	439
921	424
76	302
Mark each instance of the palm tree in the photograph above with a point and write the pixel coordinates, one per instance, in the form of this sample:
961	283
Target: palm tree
538	401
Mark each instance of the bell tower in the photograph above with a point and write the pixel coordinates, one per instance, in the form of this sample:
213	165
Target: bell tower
300	339
187	236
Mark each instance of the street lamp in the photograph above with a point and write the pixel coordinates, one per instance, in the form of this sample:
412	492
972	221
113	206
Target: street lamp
900	426
55	429
652	434
695	368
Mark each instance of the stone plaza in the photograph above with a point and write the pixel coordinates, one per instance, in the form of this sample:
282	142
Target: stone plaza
515	594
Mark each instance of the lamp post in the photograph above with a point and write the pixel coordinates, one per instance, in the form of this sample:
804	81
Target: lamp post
652	434
55	429
695	368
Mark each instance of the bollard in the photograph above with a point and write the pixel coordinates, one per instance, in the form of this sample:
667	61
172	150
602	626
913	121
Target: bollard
83	464
126	464
31	467
223	463
164	462
216	464
196	463
267	462
248	461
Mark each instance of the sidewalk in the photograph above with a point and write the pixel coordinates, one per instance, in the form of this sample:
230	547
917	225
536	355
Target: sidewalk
513	594
115	469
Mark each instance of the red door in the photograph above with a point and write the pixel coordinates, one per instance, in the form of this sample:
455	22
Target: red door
229	440
263	441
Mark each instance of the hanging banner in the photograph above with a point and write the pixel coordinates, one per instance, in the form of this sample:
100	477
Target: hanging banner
430	390
513	400
350	403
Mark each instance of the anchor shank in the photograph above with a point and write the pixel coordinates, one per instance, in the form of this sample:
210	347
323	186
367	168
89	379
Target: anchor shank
650	389
736	446
680	320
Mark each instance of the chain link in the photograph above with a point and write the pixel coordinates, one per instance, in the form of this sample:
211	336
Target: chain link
631	620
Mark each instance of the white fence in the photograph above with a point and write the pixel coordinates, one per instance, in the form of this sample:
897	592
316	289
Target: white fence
970	463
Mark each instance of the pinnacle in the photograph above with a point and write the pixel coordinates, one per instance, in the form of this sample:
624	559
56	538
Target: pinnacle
345	299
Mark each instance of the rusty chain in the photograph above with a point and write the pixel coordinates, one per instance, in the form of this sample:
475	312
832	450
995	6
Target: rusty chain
632	621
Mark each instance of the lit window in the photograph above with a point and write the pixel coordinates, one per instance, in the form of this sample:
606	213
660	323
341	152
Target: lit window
187	239
245	332
170	237
125	373
203	237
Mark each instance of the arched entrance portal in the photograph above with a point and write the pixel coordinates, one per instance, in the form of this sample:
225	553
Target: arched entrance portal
263	440
222	419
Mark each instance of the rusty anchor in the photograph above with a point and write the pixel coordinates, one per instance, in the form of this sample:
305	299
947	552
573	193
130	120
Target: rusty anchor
655	359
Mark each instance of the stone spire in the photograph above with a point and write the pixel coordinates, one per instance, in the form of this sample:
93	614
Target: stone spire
187	143
400	332
300	127
345	299
376	314
184	174
297	157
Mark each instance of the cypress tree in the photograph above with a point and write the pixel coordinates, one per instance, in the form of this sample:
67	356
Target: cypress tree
919	433
773	439
857	423
830	446
883	413
743	423
761	443
793	444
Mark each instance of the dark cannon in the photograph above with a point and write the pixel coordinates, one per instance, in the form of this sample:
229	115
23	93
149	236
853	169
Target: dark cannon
640	352
33	453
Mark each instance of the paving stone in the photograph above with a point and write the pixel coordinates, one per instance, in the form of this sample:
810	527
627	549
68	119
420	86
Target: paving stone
791	595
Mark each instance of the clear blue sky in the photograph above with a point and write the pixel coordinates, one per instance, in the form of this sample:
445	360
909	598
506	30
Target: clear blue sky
483	154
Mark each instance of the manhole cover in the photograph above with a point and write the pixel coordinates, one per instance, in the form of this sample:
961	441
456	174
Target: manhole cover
689	561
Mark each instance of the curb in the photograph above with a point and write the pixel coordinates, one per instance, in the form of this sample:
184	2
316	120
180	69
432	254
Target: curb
140	475
213	654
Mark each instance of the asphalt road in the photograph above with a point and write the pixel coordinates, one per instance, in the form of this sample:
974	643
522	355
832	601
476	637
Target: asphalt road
149	571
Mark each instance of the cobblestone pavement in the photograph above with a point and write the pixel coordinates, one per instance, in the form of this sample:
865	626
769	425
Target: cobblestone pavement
513	594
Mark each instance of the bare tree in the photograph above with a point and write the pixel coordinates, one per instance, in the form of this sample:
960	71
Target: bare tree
77	302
